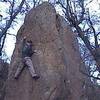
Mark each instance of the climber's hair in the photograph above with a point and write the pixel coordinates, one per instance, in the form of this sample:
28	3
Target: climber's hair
29	41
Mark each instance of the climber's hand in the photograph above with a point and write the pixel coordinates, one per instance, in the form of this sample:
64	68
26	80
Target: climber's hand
37	52
24	37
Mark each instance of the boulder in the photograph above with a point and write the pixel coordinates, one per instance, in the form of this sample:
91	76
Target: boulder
57	60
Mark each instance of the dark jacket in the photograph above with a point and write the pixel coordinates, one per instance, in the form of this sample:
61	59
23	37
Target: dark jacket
27	49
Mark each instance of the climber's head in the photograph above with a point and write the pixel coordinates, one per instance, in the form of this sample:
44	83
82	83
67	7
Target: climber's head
29	41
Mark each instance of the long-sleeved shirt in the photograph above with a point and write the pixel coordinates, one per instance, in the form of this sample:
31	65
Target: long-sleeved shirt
27	49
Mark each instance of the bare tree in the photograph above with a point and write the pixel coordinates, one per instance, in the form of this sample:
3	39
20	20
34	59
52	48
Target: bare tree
12	15
14	10
78	16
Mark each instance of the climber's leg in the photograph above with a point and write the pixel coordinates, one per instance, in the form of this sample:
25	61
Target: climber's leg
29	63
19	70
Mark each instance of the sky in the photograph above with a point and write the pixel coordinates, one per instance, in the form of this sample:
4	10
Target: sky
10	41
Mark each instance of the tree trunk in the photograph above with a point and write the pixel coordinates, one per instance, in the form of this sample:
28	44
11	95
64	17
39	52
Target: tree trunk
57	60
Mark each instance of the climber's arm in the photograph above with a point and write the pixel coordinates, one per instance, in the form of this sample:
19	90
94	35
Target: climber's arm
24	41
32	51
22	45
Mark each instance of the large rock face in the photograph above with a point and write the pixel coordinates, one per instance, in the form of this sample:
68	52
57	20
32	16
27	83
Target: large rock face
57	61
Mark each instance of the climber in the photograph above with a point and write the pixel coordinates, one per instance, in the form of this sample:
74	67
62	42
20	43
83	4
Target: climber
27	53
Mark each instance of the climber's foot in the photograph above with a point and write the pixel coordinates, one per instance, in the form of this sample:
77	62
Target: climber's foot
16	77
35	77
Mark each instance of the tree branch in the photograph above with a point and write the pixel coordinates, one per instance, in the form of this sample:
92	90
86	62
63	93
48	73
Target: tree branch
9	22
89	75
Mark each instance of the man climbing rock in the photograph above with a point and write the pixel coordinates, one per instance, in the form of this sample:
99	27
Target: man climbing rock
27	53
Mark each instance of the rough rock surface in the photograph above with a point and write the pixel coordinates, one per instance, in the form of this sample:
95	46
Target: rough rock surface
3	76
57	61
